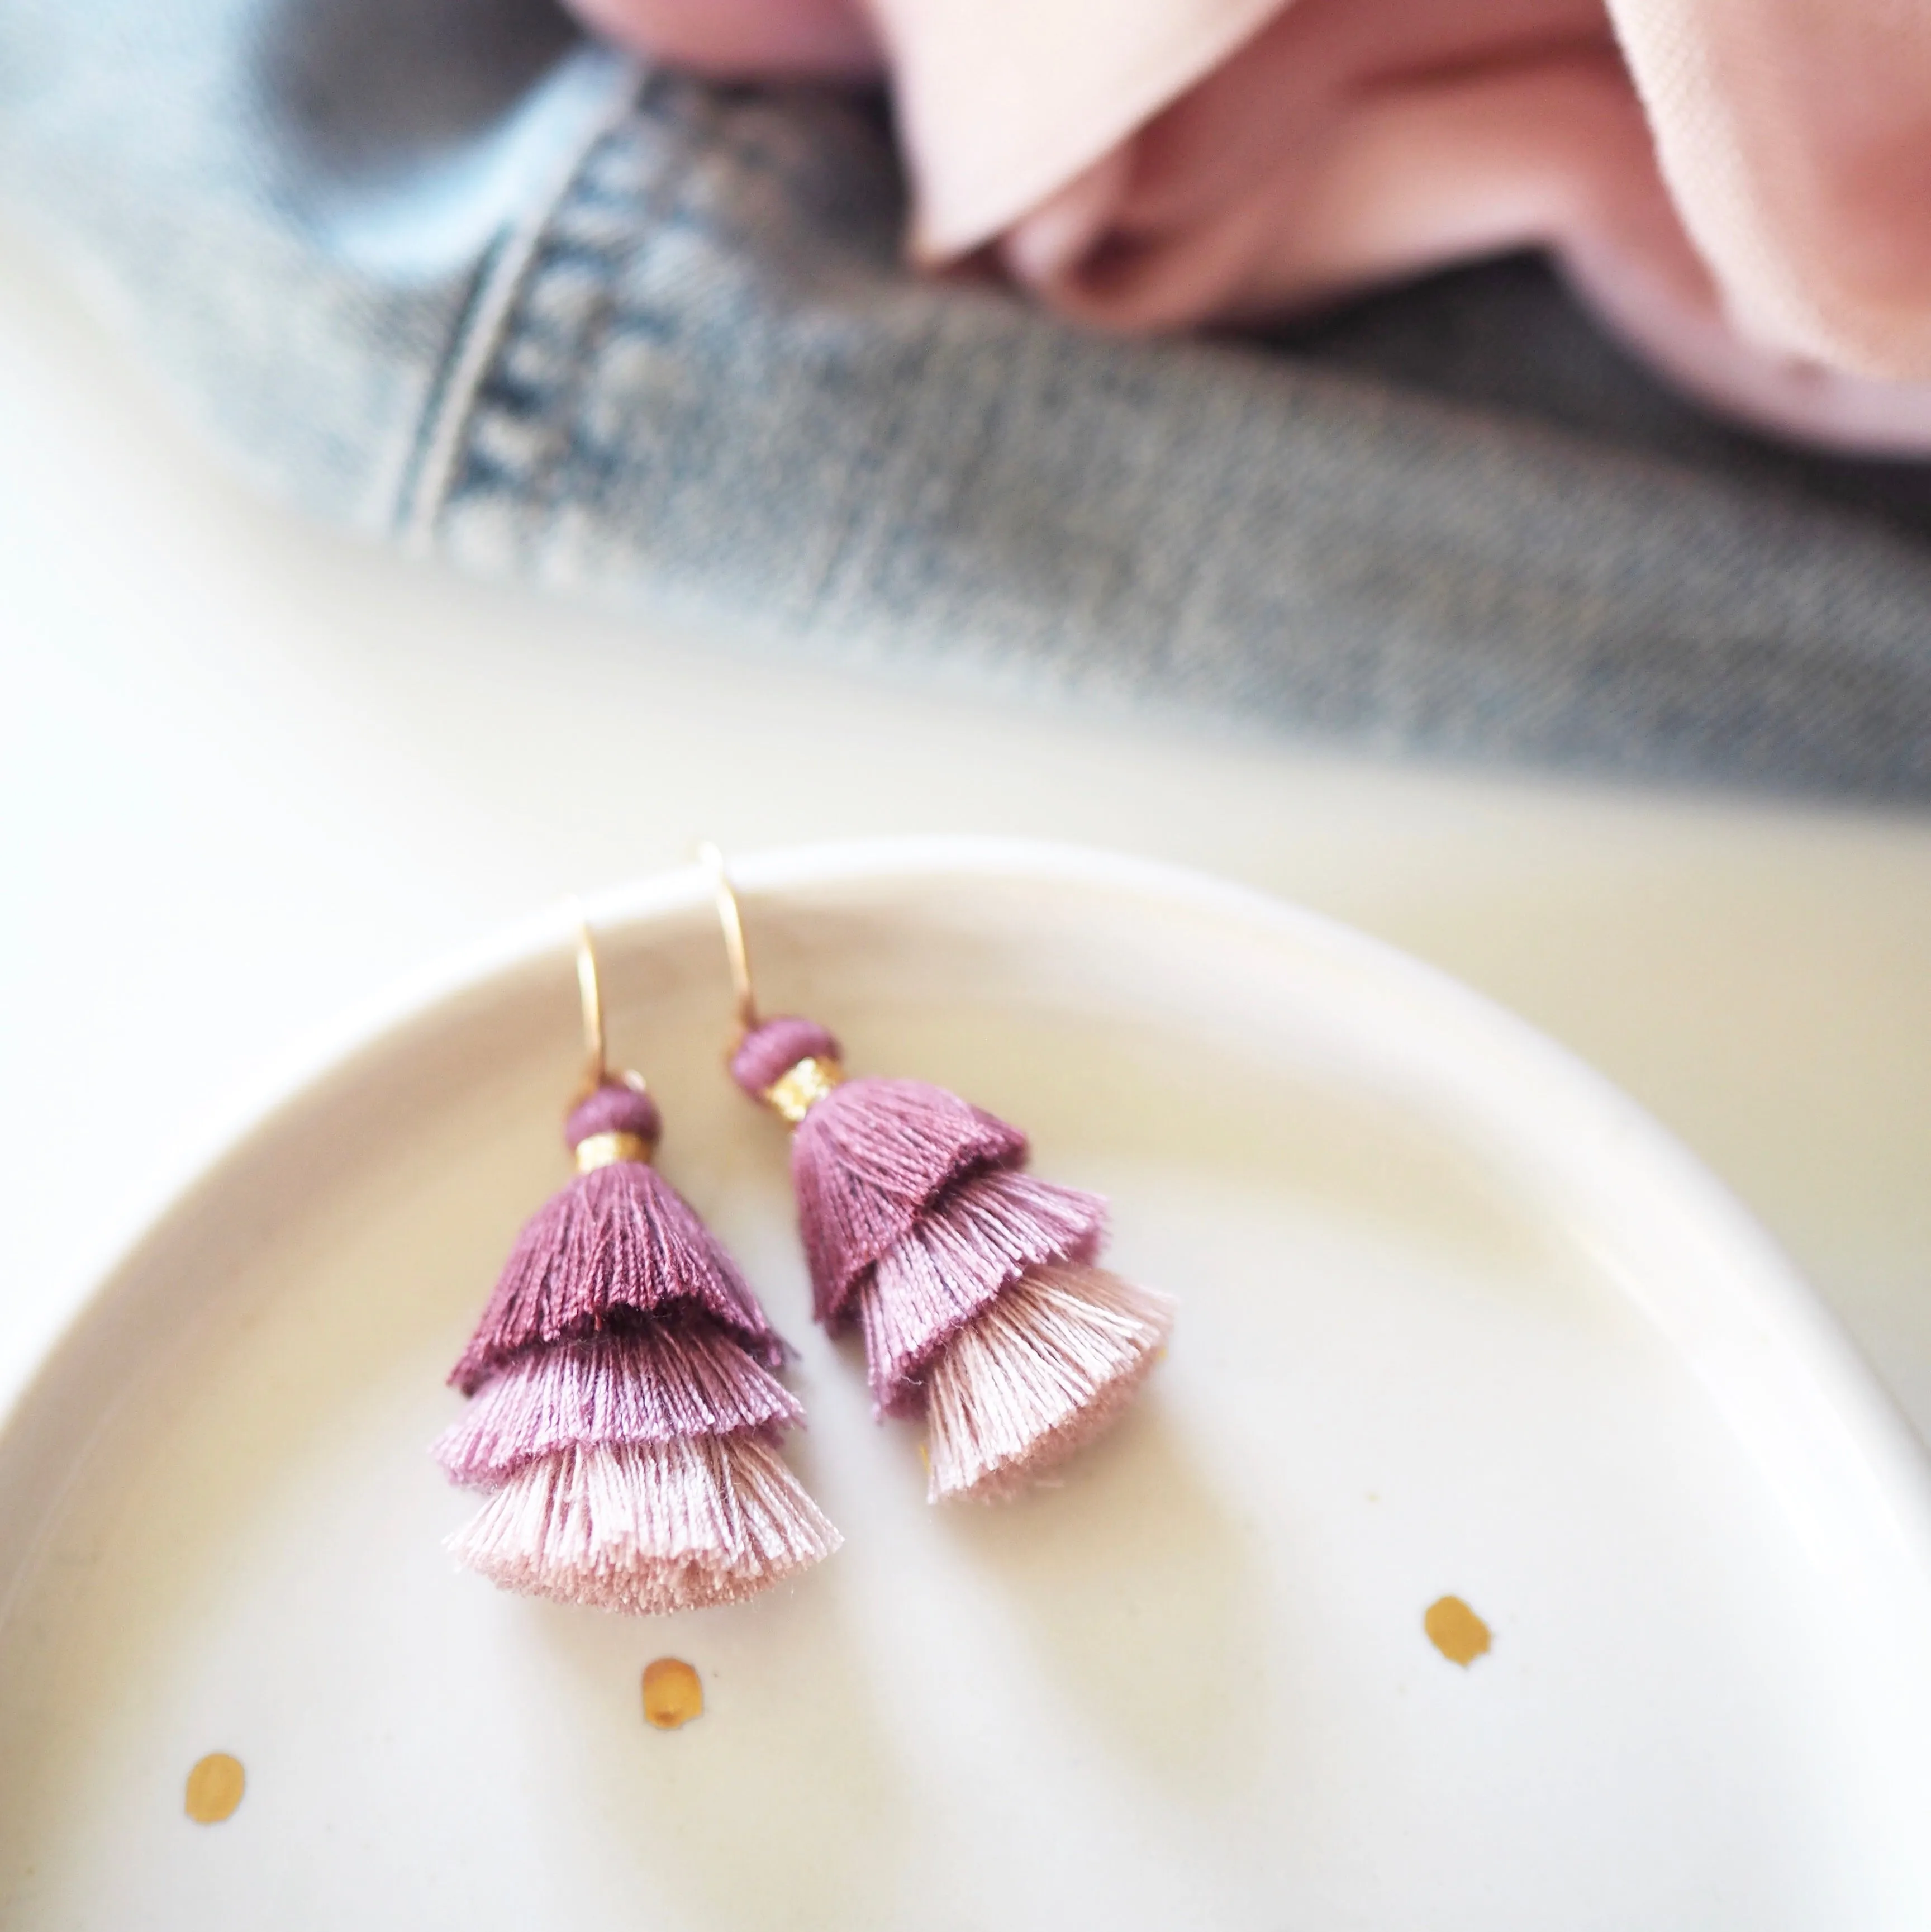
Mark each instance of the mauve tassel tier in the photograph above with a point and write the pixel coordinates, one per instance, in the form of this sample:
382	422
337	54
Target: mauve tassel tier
975	1284
625	1420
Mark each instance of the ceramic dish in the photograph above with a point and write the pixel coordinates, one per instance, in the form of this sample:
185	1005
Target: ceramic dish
1458	1320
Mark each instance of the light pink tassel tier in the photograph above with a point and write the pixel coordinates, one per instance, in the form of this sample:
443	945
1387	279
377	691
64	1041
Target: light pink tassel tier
624	1420
975	1284
1036	1374
648	1527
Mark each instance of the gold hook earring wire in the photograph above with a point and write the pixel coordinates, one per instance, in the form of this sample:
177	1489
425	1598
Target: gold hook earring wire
732	919
596	1069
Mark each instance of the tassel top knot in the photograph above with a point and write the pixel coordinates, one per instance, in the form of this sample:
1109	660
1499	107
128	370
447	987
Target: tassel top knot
789	1063
617	1122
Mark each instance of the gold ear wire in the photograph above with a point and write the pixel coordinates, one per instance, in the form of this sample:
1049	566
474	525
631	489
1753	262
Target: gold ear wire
596	1067
732	919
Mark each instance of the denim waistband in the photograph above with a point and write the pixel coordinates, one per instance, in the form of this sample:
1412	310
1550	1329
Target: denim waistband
648	340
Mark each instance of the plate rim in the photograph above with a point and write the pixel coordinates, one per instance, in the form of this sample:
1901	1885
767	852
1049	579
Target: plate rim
1793	1314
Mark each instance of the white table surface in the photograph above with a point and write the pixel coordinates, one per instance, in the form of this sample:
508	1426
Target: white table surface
255	774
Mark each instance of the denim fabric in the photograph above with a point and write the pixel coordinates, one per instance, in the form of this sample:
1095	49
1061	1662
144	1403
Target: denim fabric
436	269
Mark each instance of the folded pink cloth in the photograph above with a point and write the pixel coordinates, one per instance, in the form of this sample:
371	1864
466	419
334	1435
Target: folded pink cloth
1742	188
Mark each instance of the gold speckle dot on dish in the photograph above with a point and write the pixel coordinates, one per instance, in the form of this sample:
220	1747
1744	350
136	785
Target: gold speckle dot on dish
1456	1630
214	1788
673	1695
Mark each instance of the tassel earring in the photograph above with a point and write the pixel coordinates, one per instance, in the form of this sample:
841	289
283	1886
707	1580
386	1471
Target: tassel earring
976	1286
624	1419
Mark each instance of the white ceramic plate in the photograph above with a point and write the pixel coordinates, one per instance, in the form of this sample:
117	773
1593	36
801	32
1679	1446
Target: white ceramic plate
1456	1318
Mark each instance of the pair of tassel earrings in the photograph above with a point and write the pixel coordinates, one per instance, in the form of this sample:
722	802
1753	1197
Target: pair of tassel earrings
625	1418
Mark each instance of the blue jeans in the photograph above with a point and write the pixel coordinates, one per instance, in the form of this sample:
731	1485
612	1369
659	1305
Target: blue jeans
442	270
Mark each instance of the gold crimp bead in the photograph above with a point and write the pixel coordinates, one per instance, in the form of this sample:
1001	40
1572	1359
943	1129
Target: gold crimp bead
605	1150
793	1094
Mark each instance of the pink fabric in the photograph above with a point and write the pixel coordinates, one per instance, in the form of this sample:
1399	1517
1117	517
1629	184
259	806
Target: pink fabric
1739	186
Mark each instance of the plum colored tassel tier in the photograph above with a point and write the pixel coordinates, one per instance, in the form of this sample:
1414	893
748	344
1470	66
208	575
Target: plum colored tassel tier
976	1285
619	1242
625	1420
